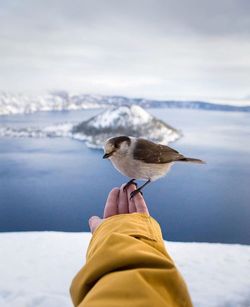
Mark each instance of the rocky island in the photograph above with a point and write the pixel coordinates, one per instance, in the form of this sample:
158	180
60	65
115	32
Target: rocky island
124	120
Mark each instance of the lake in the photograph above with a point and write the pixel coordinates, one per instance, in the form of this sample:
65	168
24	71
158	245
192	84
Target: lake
58	183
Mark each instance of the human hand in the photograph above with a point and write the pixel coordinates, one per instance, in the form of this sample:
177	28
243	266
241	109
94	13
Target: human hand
119	202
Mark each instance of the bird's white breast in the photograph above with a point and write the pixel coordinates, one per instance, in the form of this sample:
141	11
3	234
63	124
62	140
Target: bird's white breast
128	166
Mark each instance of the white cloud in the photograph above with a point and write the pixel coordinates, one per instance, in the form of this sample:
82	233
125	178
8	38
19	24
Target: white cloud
157	49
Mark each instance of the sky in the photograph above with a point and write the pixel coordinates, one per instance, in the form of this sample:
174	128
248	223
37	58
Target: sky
138	48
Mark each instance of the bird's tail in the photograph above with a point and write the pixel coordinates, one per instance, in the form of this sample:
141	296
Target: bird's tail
184	159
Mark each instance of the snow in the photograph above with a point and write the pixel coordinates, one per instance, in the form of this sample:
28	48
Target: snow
37	269
121	116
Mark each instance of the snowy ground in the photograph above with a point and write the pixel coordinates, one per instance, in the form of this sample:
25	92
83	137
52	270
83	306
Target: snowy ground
37	268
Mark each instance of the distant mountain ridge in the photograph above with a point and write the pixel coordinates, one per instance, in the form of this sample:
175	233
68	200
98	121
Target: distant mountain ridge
63	101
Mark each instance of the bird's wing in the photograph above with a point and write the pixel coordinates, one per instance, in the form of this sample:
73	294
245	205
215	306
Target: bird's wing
150	152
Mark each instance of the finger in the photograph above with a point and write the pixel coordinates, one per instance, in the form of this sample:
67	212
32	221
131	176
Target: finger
94	222
123	201
131	203
140	204
111	207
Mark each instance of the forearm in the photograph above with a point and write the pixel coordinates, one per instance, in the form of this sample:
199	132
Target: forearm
127	259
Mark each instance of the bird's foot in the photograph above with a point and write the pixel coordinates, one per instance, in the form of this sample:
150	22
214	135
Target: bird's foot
132	181
132	194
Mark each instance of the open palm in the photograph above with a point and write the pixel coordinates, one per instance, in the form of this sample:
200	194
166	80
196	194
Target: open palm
119	202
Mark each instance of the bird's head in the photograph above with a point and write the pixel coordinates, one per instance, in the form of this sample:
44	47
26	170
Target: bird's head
116	145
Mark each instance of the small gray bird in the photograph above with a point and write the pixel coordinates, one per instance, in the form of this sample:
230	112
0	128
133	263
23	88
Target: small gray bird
141	159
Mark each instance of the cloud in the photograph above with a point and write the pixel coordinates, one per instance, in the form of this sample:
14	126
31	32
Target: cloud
155	48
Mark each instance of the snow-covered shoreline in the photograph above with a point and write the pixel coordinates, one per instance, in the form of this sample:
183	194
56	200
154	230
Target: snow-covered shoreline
37	269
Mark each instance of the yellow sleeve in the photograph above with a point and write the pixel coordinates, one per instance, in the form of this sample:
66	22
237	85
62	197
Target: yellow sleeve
127	265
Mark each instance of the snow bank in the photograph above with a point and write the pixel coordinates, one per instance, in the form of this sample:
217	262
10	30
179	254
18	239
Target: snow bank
37	269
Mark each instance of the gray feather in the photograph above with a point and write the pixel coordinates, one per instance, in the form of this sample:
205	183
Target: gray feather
150	152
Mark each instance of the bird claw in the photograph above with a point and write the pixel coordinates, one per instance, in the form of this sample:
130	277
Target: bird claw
133	193
129	183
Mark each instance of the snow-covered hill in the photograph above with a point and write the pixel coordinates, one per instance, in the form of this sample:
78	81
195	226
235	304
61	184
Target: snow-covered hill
62	100
124	120
37	269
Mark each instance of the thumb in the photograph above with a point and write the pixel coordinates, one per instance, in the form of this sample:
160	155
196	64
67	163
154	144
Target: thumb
94	222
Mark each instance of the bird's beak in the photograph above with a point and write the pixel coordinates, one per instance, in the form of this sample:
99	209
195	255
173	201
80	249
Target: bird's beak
107	155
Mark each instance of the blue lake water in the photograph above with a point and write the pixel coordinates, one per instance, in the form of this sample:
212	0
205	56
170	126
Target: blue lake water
58	183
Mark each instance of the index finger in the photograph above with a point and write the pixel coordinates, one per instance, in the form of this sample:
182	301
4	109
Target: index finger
111	207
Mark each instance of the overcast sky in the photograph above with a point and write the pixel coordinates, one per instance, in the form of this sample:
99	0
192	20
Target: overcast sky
140	48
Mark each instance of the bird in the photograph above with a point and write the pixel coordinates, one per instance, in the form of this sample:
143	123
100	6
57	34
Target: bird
142	159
